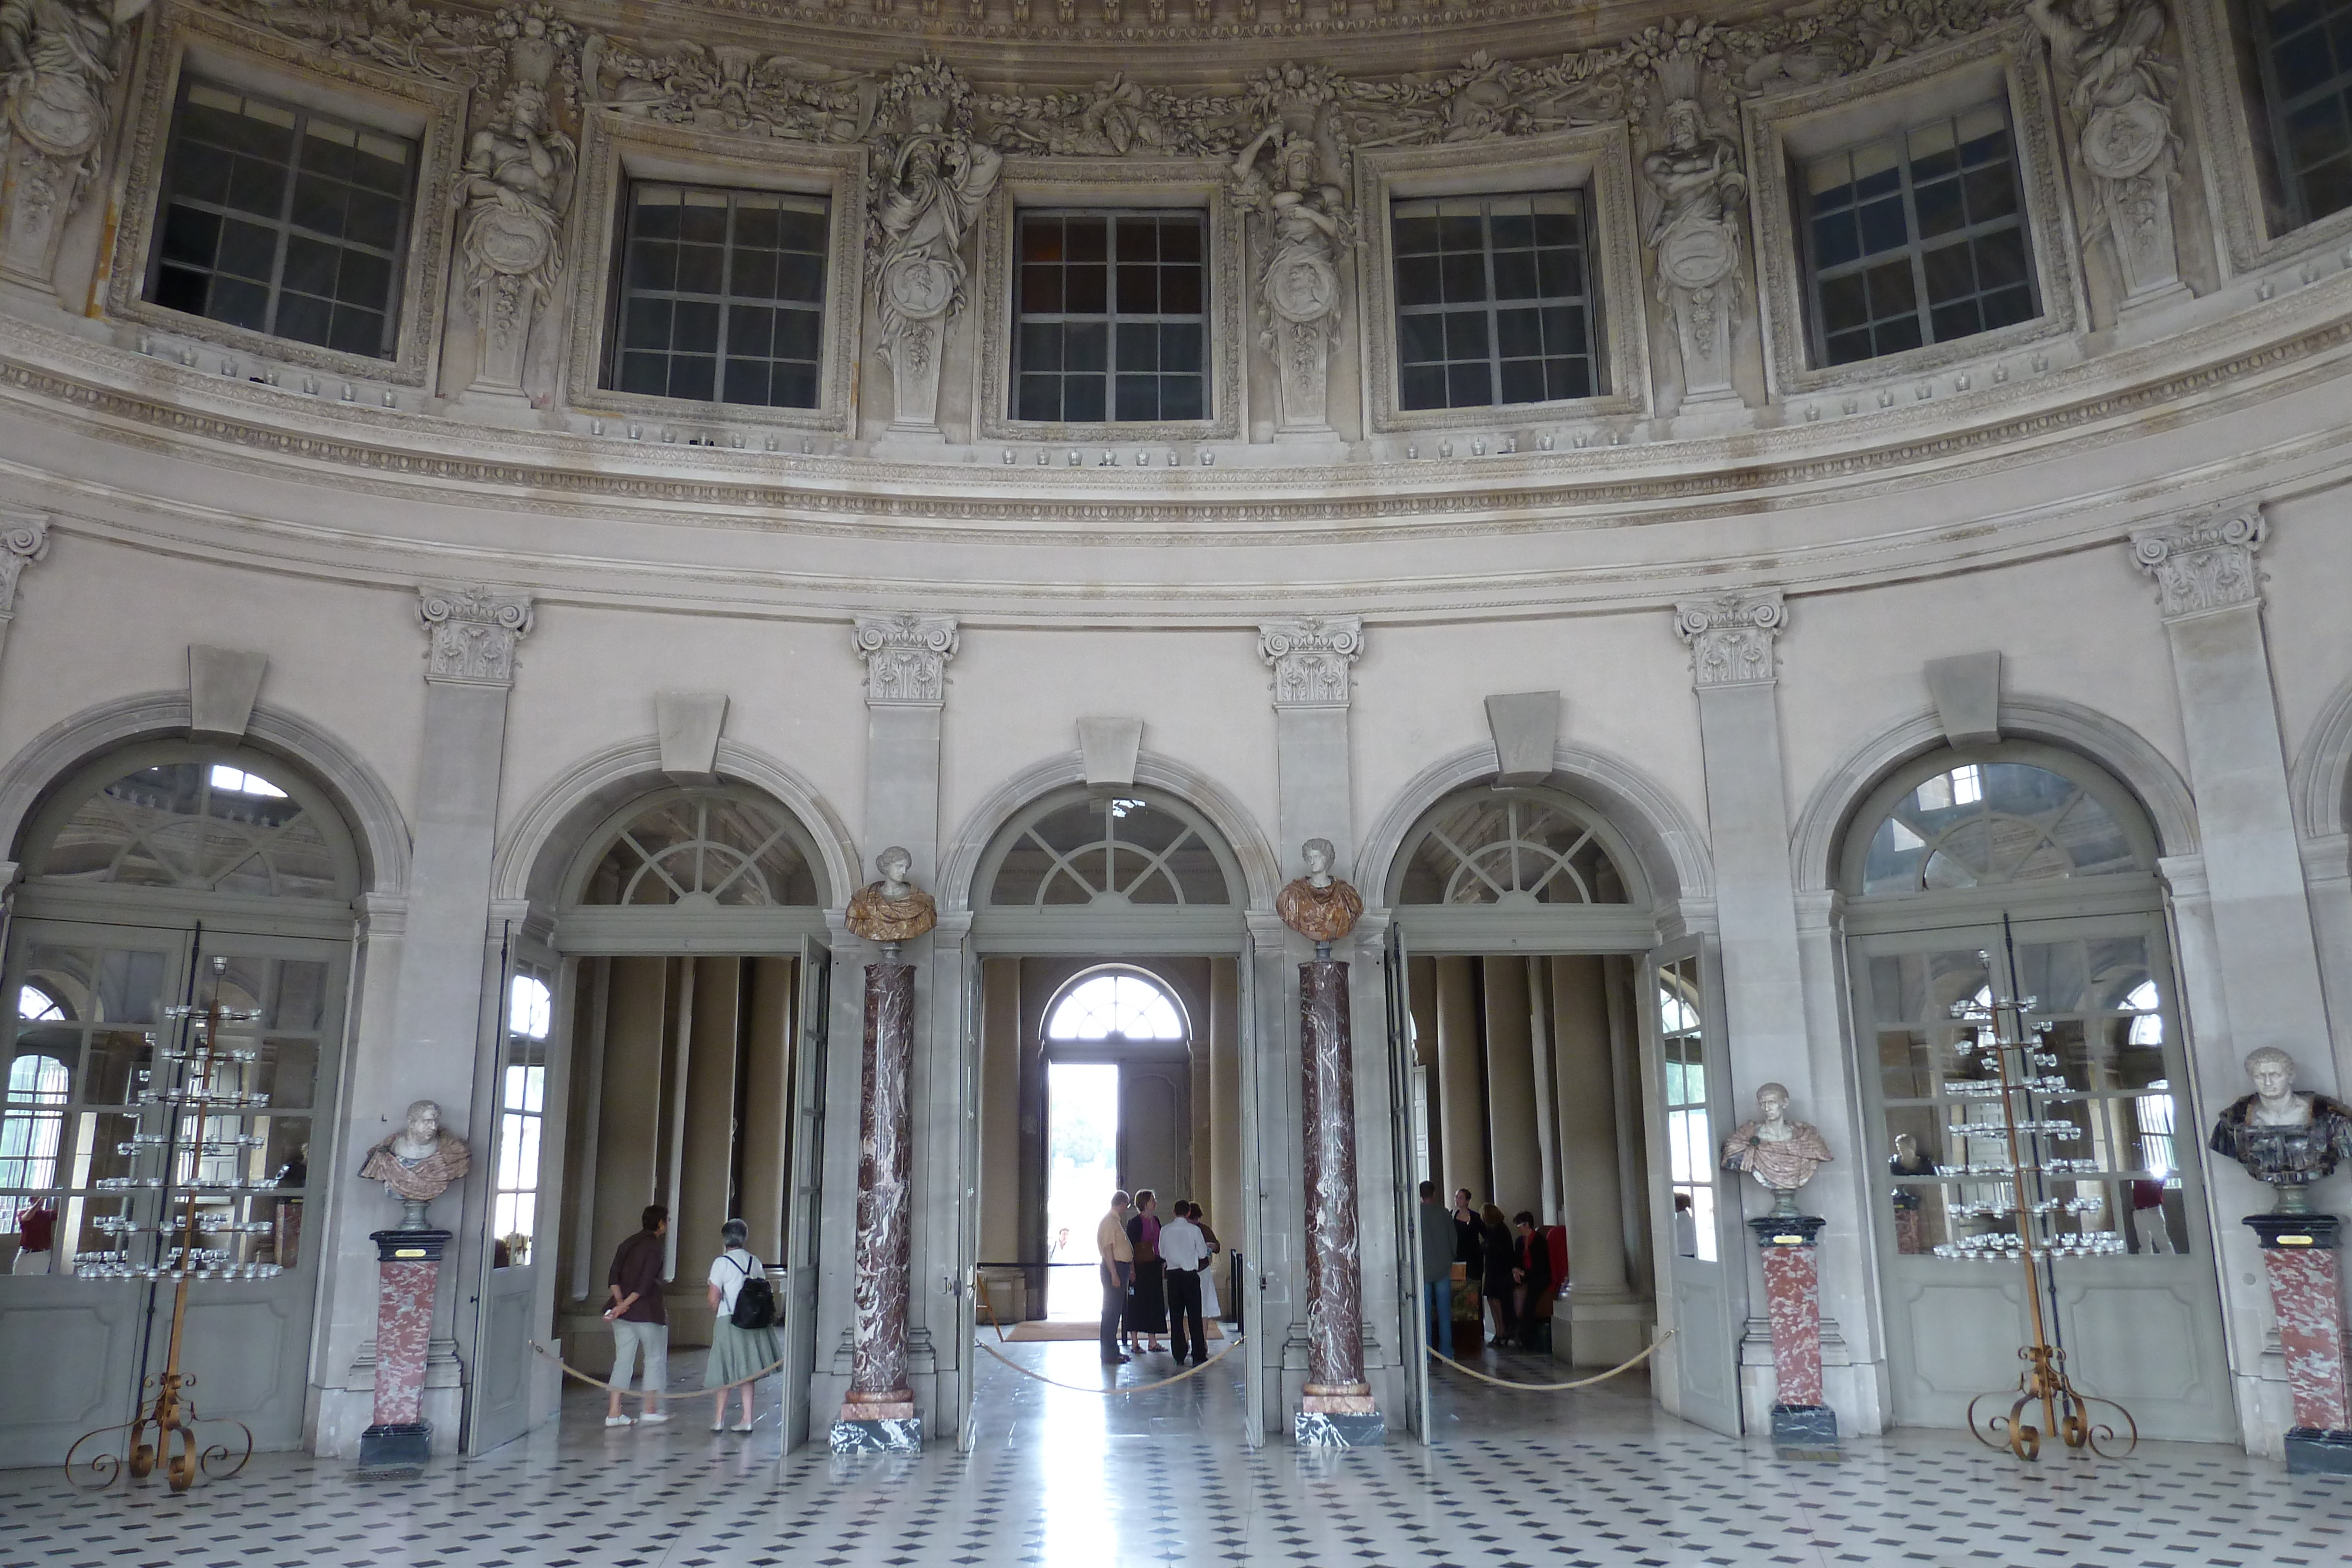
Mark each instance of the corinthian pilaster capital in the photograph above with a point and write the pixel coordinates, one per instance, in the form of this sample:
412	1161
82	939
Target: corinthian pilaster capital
24	540
2204	565
906	658
1311	656
471	632
1732	636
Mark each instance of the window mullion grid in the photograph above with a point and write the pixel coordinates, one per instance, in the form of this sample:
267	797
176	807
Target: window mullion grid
1915	242
285	226
726	306
1494	327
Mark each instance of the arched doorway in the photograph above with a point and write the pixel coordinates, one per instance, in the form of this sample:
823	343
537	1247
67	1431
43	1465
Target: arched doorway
1110	935
1534	994
169	876
685	964
2026	871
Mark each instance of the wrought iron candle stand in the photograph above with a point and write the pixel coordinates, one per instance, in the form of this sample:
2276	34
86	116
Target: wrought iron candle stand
2026	1077
189	1089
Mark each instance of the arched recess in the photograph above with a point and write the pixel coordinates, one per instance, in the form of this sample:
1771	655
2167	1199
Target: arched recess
1666	849
2319	788
960	858
2153	781
66	747
551	833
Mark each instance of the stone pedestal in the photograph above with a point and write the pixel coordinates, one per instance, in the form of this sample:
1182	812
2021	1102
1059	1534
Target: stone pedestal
1337	1411
2302	1253
408	1270
880	1414
1803	1426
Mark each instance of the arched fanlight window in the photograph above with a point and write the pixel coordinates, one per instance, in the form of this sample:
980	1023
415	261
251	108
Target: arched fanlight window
710	848
1997	820
228	824
1508	847
1117	1006
1111	850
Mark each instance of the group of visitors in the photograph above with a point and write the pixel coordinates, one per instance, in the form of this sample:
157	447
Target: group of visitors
742	1334
1155	1275
1509	1274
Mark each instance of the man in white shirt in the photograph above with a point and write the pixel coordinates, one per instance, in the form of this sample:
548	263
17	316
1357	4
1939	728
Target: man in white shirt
1184	1249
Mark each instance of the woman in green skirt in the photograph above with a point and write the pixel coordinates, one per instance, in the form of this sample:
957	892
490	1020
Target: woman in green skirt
737	1355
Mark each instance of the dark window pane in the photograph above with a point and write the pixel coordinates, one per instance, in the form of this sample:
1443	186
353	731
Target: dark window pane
1041	346
1523	381
1086	290
355	332
1184	397
1460	234
1561	272
303	319
1179	240
1421	386
177	288
373	219
1949	274
646	325
1939	207
310	266
694	329
1465	279
1992	192
646	374
657	216
1138	349
319	204
653	264
799	335
1465	335
746	382
1843	302
1180	347
701	270
1137	398
1416	237
1469	386
1041	289
749	331
1959	319
1082	399
1040	398
1040	239
1420	338
708	299
1891	290
702	221
1883	227
1180	290
2000	258
200	172
801	277
1835	239
792	386
1417	280
238	303
1895	337
1518	332
1086	346
191	236
256	187
248	250
1088	238
1139	291
1514	274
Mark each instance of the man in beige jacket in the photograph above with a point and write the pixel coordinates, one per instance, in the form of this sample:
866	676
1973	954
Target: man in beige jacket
1117	1274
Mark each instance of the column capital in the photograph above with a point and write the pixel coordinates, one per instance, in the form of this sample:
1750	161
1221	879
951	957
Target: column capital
471	630
1311	656
24	540
906	658
2203	564
1732	636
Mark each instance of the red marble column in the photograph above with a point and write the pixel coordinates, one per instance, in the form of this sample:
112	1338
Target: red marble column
879	1412
408	1271
1338	1410
1804	1425
2303	1257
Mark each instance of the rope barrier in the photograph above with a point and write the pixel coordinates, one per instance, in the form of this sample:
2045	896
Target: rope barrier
1555	1387
1130	1388
722	1392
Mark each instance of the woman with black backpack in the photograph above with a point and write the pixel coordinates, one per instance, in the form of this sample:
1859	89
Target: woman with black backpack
743	1337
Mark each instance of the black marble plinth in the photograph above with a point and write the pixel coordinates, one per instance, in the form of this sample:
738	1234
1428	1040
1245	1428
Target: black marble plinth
1313	1429
1787	1229
1805	1432
903	1434
395	1447
2316	1451
410	1246
2297	1232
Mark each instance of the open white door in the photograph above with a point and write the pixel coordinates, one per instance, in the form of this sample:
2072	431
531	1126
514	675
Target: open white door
1413	1300
966	1283
505	1291
1700	1242
801	1209
1249	1286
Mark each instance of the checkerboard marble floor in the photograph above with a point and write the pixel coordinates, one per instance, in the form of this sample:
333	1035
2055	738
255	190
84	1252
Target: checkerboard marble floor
1597	1478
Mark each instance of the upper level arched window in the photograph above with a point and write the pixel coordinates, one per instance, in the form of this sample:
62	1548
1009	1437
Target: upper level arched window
2020	815
714	847
1510	848
1118	1005
202	823
1096	850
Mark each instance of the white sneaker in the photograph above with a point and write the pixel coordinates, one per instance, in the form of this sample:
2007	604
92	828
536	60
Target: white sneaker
620	1420
654	1417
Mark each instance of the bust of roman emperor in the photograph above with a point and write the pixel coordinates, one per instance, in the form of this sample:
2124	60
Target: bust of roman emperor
422	1160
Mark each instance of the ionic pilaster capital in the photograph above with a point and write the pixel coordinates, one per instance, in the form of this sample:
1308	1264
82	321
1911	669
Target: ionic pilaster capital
1311	656
471	630
24	540
1732	636
2204	564
906	658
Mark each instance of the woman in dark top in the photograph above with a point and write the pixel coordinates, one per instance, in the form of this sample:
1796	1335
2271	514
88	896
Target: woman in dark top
1147	1308
1498	1282
1469	1236
1531	1256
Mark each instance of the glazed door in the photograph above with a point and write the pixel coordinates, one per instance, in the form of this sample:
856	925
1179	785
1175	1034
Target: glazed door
1702	1269
2141	1326
804	1171
966	1282
521	1009
1250	1285
1412	1303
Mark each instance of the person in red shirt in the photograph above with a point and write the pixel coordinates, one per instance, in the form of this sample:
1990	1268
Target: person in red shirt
37	1231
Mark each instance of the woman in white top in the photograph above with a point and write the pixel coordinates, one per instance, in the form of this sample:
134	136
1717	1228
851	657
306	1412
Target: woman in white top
738	1356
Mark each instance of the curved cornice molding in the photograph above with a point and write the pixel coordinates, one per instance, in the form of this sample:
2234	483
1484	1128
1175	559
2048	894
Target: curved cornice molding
2113	745
380	830
960	856
1665	838
538	849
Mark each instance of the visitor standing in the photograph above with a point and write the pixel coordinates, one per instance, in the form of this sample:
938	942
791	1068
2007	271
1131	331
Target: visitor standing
1437	1269
1147	1304
1117	1275
1530	1277
1494	1237
36	1240
1183	1250
640	1326
742	1352
1209	1305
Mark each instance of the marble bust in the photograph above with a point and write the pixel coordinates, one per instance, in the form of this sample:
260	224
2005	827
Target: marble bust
892	909
1780	1153
418	1163
1319	906
2287	1137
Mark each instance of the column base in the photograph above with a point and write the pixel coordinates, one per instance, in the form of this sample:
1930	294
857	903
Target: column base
392	1449
1320	1429
878	1435
2318	1451
1805	1432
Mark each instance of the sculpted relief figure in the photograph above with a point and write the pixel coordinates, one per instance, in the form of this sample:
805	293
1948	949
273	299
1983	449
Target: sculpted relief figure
1699	187
1288	178
2283	1135
57	61
892	909
2105	54
514	189
929	194
1782	1154
418	1163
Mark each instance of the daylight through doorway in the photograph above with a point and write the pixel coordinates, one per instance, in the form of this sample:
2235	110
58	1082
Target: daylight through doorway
1081	1172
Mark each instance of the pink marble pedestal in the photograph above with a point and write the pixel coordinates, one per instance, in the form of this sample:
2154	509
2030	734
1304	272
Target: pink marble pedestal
1337	1410
1803	1428
408	1270
2304	1255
